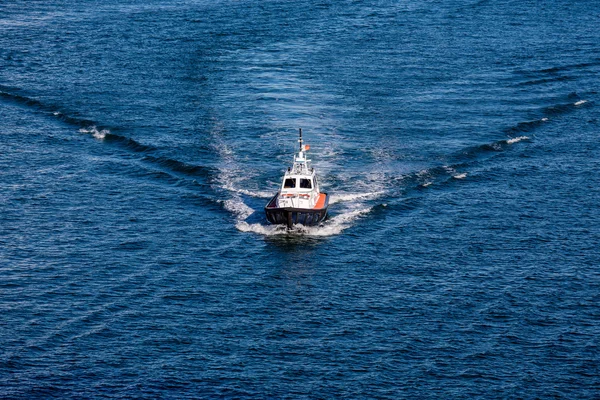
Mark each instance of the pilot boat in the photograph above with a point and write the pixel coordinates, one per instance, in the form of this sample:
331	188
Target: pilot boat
299	200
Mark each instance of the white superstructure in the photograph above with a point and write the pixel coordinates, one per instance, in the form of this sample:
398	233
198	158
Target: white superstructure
299	188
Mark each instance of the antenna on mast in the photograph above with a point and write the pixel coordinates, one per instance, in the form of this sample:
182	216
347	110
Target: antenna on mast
300	140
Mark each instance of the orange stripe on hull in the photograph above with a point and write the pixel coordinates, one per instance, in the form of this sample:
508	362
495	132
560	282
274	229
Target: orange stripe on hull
320	201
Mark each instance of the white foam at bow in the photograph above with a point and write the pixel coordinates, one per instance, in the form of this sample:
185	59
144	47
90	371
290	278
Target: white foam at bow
333	226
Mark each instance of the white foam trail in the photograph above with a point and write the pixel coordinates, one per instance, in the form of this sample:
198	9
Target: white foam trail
349	216
98	134
232	175
460	176
266	230
237	207
580	102
258	194
517	139
338	198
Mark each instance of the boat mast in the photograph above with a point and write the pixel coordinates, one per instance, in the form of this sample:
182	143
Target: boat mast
300	161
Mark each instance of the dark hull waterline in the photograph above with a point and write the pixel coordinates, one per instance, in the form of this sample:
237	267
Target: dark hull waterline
291	216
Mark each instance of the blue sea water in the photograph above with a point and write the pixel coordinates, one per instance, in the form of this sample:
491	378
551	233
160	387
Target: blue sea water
458	140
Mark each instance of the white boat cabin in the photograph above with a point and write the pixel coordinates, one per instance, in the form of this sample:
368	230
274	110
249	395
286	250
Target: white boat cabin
299	188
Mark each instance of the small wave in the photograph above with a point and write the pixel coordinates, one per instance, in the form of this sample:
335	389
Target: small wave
560	109
580	102
545	80
175	165
460	176
426	184
525	127
475	152
99	134
567	67
517	139
9	94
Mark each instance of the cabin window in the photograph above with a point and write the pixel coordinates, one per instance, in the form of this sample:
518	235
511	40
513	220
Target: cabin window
289	183
305	184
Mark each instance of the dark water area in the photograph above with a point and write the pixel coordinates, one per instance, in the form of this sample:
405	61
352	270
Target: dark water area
140	141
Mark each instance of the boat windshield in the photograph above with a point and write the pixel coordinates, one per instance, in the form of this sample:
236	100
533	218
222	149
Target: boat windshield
305	183
289	183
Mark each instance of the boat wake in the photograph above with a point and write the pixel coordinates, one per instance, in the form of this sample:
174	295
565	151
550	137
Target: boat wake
107	134
241	191
350	207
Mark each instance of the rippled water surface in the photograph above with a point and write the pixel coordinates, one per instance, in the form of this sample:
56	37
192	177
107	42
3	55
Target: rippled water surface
458	140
